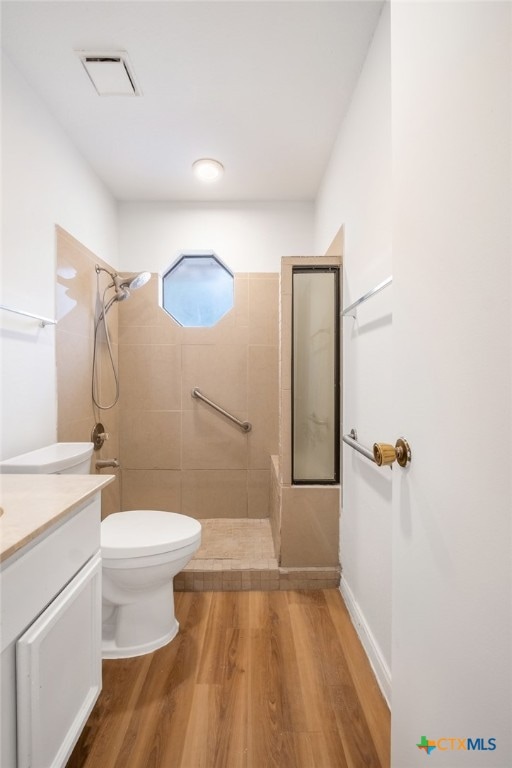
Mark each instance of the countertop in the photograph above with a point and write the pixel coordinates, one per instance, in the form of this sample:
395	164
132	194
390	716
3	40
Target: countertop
33	503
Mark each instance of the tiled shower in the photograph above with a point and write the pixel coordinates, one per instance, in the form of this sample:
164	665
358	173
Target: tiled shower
175	452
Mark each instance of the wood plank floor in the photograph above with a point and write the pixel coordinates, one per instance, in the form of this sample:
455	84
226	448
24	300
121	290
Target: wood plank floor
253	680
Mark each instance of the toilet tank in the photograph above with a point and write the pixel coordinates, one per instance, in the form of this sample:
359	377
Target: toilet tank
55	459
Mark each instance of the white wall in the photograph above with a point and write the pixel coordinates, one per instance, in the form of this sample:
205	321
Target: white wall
44	182
356	192
452	244
247	237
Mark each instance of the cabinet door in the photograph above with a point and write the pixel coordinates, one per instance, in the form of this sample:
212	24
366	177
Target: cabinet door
58	667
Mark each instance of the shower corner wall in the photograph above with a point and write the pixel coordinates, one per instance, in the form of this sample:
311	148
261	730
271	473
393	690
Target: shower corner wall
76	288
304	518
174	453
165	440
165	445
177	453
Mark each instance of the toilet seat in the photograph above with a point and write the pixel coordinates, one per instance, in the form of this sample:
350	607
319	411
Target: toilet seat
140	533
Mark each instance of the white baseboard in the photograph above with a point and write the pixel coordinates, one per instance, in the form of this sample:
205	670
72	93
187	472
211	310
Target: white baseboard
370	645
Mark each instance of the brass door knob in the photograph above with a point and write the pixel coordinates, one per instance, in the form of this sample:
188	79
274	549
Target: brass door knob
385	454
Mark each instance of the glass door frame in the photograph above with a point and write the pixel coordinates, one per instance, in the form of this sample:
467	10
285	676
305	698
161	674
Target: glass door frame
335	270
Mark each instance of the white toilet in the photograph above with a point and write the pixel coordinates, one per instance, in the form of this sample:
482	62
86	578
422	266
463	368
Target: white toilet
142	551
56	459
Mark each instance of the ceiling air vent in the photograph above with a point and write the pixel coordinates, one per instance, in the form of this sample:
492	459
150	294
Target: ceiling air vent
110	73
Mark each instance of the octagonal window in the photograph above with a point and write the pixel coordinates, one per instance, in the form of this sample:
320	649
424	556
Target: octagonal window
197	290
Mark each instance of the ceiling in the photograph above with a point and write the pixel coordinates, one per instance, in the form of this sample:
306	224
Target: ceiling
261	86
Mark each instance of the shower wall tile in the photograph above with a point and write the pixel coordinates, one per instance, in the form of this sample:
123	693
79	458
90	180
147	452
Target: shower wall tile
263	438
143	308
220	372
210	441
113	321
241	308
76	285
226	331
136	334
77	300
110	421
262	377
111	495
286	278
150	439
310	526
230	333
151	376
73	430
160	363
264	310
214	493
151	489
148	334
258	492
74	370
263	388
274	276
107	390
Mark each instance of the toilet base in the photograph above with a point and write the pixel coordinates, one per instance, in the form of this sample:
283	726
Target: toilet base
110	649
138	627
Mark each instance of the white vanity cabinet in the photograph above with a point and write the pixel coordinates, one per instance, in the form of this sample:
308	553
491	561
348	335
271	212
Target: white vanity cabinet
51	640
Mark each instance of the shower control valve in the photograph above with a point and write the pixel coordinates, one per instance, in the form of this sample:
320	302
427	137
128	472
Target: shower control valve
98	436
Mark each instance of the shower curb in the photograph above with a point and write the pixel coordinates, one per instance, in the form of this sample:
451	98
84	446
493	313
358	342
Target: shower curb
224	578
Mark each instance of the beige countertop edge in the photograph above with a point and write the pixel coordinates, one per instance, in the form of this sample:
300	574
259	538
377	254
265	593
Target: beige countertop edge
33	503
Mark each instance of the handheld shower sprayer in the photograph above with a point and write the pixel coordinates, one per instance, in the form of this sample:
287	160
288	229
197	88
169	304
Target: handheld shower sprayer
122	286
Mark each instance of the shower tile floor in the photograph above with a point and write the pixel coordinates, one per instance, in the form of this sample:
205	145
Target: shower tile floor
238	554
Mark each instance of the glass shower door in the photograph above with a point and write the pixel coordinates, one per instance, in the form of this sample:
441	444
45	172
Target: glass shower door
315	380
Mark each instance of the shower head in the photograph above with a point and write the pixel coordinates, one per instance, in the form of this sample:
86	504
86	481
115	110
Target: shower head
120	282
130	283
122	286
141	279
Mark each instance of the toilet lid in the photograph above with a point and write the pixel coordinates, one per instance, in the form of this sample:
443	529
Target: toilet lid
146	532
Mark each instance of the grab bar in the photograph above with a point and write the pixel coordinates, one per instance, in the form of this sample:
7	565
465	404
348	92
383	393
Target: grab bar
43	320
379	287
351	439
383	454
244	425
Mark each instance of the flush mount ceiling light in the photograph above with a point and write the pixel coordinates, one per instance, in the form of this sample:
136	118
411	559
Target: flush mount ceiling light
207	169
110	73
